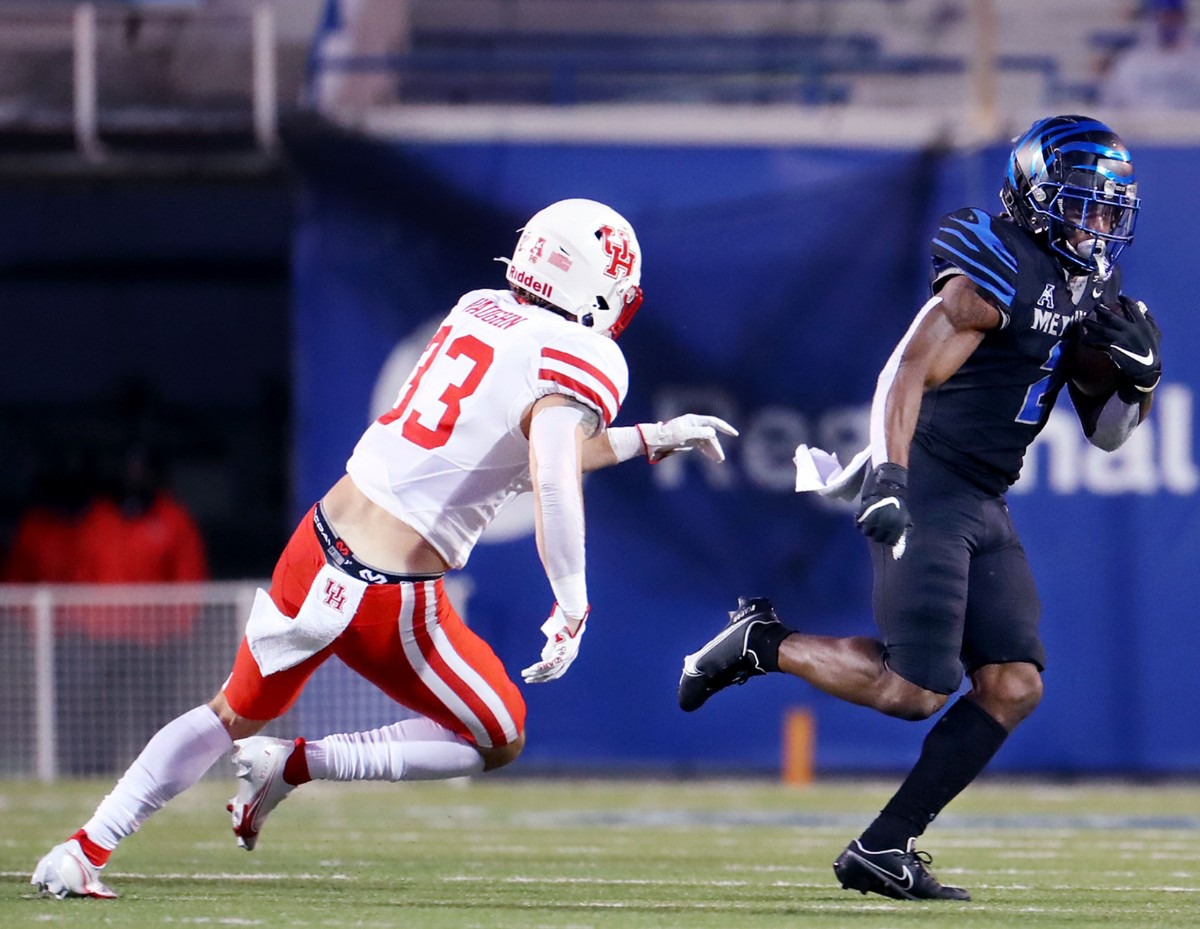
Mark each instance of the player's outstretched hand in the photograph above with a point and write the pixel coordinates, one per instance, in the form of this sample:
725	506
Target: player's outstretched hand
883	514
683	433
1131	339
562	645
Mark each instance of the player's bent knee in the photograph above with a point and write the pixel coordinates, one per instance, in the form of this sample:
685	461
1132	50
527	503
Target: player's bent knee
1009	692
905	700
1029	693
502	755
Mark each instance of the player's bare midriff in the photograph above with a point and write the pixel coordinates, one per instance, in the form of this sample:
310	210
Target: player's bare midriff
376	537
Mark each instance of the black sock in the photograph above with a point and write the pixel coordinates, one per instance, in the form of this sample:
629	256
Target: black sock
956	749
765	639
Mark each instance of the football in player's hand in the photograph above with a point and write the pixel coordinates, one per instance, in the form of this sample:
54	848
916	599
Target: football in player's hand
1092	371
1090	367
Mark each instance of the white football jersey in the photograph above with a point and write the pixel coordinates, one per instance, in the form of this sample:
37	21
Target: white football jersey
450	453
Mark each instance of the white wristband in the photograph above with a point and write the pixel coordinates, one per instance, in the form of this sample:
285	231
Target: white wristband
626	442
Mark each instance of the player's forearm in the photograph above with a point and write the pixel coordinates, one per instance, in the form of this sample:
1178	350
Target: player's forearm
900	387
556	455
612	446
1115	423
894	413
560	534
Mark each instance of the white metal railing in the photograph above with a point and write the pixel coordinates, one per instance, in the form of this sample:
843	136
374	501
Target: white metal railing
87	133
92	31
86	94
265	83
88	672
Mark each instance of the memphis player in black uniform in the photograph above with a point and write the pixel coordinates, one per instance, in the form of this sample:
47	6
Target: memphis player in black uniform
964	393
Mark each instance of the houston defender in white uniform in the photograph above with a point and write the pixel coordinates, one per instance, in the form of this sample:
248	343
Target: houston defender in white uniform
515	392
454	449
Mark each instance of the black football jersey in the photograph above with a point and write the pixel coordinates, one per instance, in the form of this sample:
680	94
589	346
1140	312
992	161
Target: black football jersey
983	418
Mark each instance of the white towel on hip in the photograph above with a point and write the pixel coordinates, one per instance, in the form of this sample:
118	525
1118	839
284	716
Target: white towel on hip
278	641
821	471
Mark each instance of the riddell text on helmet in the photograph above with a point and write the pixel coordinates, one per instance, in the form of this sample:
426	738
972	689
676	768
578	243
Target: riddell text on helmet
531	283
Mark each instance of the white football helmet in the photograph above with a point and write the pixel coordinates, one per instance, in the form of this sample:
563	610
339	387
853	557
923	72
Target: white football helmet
582	257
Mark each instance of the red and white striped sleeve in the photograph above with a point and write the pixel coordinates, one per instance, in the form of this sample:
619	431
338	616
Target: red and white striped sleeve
586	367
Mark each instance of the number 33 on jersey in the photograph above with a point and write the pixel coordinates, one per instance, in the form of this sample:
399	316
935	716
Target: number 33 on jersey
451	452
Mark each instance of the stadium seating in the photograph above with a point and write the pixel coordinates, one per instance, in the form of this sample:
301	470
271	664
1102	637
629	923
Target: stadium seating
857	52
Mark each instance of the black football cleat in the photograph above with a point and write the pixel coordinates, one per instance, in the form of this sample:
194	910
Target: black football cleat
901	875
729	657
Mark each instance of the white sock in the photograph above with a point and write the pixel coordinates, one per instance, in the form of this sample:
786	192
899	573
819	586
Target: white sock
411	750
172	761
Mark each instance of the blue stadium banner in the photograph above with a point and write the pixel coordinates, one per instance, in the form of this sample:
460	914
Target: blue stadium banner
777	281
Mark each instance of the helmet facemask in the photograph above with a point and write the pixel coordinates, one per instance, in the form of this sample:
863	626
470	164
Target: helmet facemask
1091	227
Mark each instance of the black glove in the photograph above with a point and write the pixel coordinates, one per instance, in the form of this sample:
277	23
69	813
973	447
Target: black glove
883	513
1131	340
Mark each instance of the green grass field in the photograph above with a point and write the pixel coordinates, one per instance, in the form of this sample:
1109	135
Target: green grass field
564	854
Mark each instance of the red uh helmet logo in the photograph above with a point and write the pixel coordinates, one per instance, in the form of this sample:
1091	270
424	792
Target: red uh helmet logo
620	256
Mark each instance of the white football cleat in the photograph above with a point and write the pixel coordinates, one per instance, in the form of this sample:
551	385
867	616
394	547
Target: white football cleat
64	871
259	763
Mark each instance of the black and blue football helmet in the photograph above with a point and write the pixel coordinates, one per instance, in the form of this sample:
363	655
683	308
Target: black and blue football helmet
1069	173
